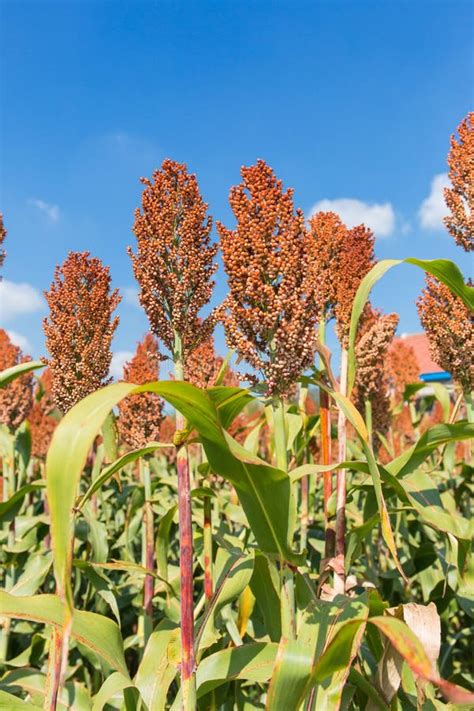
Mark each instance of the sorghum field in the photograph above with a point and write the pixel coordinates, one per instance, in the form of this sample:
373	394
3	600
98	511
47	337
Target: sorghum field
294	537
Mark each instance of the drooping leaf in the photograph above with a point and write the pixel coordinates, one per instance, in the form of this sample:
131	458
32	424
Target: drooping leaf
444	270
96	632
6	376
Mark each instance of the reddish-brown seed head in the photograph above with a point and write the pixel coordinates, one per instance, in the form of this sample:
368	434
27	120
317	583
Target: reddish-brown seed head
270	313
42	422
460	197
141	415
342	258
79	328
401	367
174	262
449	325
16	398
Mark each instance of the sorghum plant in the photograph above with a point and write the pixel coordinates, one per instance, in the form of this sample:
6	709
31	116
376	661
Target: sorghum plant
139	423
460	197
174	265
79	328
342	258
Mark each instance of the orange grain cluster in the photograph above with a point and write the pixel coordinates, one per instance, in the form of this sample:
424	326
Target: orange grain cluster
16	398
342	258
402	368
42	422
141	415
79	328
375	336
270	312
460	198
174	263
449	325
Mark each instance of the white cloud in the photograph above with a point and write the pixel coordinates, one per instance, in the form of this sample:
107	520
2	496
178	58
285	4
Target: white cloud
379	217
118	361
19	340
52	211
18	298
130	294
433	208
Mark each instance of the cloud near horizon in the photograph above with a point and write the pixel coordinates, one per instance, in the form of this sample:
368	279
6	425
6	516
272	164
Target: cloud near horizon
433	208
17	299
21	341
50	210
379	217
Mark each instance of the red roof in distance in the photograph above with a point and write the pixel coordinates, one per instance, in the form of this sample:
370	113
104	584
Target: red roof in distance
419	343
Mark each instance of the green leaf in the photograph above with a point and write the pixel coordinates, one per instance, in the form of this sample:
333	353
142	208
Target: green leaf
159	665
290	675
95	632
112	687
234	578
265	492
443	269
10	508
265	587
13	703
252	662
107	473
430	440
6	376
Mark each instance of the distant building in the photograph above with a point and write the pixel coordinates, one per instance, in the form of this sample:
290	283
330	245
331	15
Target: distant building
430	372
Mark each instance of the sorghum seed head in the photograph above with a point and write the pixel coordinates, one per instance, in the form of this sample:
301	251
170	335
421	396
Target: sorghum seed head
174	262
270	312
42	422
460	197
402	368
79	328
449	325
342	259
141	415
16	398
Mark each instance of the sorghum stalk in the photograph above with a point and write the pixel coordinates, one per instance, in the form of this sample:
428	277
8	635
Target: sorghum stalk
325	429
188	676
339	577
174	265
148	545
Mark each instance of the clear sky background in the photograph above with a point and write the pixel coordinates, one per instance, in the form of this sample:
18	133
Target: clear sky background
352	103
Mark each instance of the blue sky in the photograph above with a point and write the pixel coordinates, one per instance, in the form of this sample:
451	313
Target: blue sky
351	101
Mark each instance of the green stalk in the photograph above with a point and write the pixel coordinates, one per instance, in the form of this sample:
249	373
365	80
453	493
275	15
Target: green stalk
287	603
147	554
187	668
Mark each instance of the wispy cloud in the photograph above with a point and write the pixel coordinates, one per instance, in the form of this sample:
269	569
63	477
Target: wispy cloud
433	208
130	295
118	361
19	340
51	211
380	217
18	298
